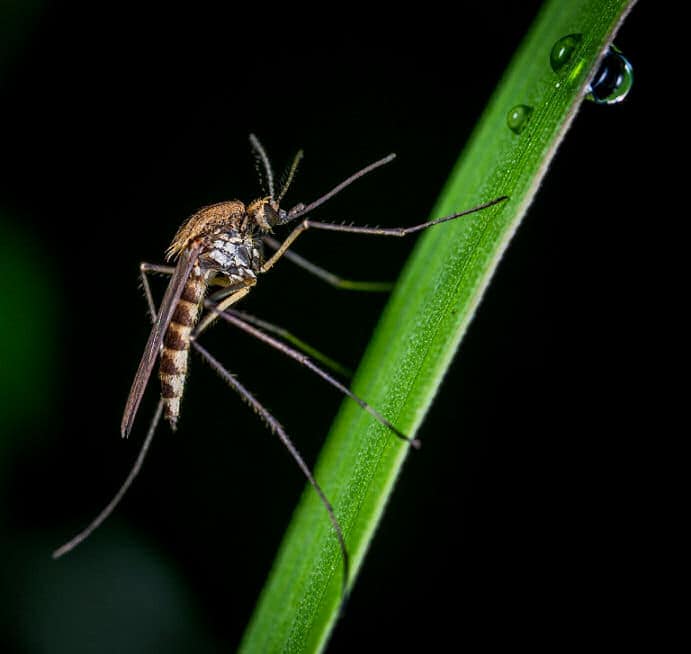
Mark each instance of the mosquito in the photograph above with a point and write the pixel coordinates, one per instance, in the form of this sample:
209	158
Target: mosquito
222	245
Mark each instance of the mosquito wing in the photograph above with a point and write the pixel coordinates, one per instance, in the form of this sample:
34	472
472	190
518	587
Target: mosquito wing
153	345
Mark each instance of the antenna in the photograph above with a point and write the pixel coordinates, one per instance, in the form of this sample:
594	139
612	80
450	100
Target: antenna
260	154
300	209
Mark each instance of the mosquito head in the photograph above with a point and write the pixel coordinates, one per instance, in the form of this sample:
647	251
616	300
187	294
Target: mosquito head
265	213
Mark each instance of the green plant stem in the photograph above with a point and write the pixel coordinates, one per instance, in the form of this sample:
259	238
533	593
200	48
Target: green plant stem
419	332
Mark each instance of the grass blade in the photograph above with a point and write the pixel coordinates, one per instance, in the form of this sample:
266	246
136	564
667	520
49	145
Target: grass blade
420	330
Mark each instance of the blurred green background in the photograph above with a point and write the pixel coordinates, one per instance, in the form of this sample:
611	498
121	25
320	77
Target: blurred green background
120	121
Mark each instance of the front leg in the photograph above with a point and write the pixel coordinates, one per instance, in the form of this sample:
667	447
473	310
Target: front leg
372	231
330	278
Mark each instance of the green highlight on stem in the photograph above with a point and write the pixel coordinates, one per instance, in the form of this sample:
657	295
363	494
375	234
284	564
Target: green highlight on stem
422	326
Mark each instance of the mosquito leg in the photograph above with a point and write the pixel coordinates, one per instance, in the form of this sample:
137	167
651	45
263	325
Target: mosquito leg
283	248
305	361
224	304
277	429
374	231
231	294
82	535
329	277
145	268
401	231
294	340
228	289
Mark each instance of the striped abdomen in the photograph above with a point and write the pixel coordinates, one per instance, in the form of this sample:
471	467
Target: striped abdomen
176	347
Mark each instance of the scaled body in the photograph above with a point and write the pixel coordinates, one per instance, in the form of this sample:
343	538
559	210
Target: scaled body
228	236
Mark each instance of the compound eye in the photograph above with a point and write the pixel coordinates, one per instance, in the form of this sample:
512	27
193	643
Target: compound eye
270	216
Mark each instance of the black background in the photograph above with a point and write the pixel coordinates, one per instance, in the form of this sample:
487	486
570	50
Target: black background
518	520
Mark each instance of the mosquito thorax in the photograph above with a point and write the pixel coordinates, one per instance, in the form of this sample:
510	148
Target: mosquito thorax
230	216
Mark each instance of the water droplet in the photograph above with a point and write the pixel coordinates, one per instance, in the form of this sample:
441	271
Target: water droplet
562	51
518	117
613	80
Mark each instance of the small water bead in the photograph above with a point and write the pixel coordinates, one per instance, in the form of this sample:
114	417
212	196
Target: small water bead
518	117
563	51
613	80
